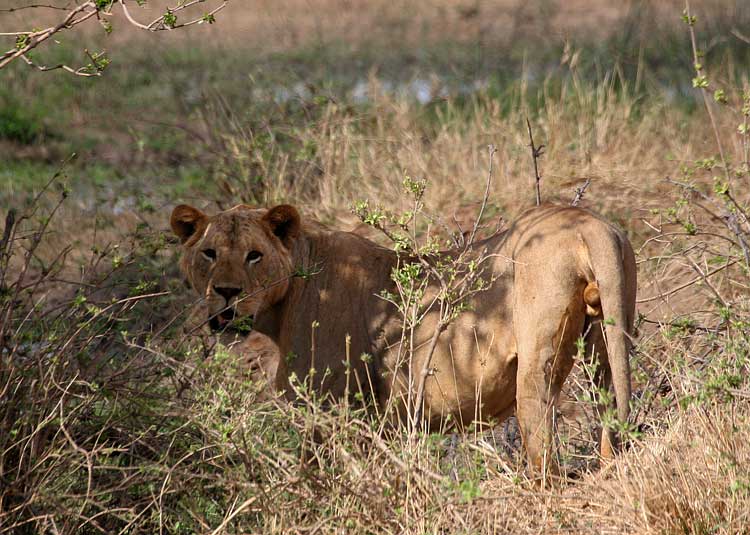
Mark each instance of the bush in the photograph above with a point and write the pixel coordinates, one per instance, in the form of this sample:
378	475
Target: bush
18	125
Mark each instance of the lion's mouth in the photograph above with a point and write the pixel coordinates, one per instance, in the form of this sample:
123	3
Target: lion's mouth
227	320
220	321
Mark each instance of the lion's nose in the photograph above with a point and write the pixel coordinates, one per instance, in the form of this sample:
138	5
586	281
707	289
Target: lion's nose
227	292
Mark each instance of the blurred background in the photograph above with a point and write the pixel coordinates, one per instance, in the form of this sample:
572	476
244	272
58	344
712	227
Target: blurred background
246	108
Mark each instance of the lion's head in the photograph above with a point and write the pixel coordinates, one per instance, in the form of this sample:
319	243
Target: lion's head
238	260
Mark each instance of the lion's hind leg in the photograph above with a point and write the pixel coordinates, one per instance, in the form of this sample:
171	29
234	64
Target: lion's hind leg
546	336
597	359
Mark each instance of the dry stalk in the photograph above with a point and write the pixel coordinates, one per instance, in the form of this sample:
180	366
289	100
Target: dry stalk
462	292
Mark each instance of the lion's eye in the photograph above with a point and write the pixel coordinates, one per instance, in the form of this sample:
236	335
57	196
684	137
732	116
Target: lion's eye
209	253
253	257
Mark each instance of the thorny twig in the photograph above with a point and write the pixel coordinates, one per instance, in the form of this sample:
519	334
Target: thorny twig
730	219
699	71
27	41
33	6
536	153
579	192
10	222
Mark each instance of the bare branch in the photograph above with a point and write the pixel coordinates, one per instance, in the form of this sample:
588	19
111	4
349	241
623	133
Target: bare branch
26	41
491	149
687	284
740	36
35	6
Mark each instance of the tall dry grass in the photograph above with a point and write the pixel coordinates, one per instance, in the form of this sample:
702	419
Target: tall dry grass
599	132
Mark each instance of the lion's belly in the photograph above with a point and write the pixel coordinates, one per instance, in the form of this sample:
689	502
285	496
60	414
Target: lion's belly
473	373
485	396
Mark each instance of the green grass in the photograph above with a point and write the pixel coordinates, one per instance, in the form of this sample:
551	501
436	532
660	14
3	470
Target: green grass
23	177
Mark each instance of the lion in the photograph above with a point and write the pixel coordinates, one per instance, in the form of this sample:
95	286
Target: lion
556	274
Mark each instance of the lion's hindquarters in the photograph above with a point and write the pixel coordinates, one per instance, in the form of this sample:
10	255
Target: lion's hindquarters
571	269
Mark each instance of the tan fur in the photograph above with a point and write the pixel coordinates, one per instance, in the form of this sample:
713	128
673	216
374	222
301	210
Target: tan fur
553	268
261	361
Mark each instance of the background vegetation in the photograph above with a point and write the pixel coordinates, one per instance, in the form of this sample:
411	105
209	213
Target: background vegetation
113	420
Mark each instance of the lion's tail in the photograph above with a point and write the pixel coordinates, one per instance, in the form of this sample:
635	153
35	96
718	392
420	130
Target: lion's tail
611	269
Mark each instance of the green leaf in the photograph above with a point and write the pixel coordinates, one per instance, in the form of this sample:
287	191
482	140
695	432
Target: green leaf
700	81
169	19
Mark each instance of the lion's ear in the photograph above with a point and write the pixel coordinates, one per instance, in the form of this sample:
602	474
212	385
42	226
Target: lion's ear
185	221
284	221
